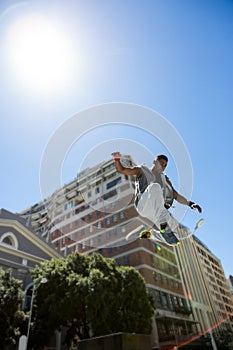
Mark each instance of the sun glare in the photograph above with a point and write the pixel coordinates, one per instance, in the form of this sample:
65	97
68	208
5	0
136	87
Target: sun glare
39	54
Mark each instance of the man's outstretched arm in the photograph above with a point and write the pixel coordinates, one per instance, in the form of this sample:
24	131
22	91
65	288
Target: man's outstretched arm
122	169
181	199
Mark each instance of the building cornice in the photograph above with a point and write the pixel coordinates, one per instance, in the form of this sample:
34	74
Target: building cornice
19	253
31	236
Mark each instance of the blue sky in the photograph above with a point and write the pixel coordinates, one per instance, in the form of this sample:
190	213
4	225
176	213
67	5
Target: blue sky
170	56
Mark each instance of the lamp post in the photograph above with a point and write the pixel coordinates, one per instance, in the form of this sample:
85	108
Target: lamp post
43	280
199	224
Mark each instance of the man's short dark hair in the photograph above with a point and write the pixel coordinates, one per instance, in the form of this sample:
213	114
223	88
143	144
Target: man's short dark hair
162	156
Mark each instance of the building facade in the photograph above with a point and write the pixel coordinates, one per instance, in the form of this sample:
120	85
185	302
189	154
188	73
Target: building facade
206	287
95	212
21	248
230	281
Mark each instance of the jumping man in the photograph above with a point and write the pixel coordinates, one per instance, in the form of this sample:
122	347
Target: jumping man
154	193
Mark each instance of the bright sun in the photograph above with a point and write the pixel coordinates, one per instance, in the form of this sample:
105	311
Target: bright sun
39	53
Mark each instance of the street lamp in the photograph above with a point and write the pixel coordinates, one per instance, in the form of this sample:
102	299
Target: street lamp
35	287
199	224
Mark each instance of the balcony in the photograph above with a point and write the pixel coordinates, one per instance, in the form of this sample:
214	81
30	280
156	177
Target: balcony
182	310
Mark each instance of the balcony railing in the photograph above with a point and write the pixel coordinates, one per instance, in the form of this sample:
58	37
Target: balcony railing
182	310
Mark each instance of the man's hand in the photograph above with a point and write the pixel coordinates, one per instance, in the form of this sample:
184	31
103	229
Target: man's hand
196	206
116	154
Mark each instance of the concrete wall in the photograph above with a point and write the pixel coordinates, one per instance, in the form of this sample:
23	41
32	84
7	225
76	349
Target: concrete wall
118	341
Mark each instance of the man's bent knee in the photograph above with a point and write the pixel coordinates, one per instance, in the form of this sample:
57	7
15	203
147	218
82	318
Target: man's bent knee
155	188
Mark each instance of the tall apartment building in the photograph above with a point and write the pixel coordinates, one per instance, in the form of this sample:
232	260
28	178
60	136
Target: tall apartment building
230	281
91	211
206	286
95	212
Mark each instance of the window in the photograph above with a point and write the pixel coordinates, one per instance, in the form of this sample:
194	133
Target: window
114	218
164	299
155	275
10	239
7	240
109	167
41	230
158	302
175	300
122	215
69	205
113	183
118	261
24	262
112	193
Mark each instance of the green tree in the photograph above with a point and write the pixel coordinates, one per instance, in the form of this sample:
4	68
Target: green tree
11	317
90	296
224	339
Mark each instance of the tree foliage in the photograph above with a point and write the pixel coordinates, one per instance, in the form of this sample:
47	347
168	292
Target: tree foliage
224	339
90	296
11	317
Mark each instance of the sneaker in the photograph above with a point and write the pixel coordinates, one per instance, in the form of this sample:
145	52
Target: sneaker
169	235
165	230
144	234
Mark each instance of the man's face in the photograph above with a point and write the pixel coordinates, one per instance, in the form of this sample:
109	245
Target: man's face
160	165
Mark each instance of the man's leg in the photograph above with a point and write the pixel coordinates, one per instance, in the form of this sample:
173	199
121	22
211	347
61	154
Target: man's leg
151	206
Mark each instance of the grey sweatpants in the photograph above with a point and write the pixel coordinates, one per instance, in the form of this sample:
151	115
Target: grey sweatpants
151	206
